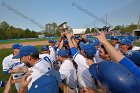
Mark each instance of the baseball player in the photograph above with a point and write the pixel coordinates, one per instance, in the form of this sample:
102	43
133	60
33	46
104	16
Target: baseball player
124	45
133	39
67	71
84	77
110	79
96	44
52	50
128	83
14	66
119	58
30	56
46	55
115	42
104	54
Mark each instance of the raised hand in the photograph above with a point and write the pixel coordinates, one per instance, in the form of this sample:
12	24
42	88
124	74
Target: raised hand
101	37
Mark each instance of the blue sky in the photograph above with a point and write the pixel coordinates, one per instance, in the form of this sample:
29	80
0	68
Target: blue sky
33	13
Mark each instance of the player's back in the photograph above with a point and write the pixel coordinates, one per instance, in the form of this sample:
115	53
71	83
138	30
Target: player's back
68	72
39	69
47	58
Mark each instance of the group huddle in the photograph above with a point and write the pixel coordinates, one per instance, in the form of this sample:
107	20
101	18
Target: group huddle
75	64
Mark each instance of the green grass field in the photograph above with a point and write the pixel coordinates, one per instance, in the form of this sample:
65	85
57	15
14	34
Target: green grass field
6	52
25	40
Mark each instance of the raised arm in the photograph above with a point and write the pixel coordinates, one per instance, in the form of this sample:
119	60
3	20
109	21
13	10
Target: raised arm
74	43
59	40
69	36
114	54
61	44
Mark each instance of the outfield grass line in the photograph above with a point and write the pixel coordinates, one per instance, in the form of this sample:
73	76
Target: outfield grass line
25	40
19	41
35	43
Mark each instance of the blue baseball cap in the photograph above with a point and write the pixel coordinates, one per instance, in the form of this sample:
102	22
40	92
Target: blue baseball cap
27	50
51	41
114	38
44	48
62	52
126	41
114	77
134	56
48	83
88	48
96	42
130	37
16	46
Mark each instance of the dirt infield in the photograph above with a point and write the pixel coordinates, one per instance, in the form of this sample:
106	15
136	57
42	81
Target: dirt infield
2	46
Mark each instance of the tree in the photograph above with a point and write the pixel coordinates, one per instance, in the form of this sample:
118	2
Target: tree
92	30
10	32
34	34
131	27
57	32
87	31
124	29
4	25
2	34
51	29
46	33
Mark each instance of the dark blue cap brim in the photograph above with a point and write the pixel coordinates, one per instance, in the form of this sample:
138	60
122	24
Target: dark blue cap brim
122	43
16	57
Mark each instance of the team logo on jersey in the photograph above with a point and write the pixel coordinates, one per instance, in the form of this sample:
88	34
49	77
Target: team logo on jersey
16	64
